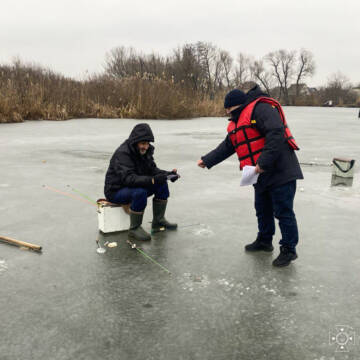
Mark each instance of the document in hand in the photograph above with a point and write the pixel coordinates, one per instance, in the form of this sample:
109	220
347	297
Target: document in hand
249	176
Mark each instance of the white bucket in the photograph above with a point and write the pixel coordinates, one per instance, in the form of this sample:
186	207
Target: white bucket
112	217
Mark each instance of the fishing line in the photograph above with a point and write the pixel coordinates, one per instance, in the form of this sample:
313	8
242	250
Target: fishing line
82	195
151	259
67	194
142	252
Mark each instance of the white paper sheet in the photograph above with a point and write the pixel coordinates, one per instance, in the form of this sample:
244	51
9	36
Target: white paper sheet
249	176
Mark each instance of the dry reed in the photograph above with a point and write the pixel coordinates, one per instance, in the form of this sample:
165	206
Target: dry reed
29	92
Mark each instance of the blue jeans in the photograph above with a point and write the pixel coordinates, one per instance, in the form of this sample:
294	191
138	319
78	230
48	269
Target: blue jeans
277	203
137	197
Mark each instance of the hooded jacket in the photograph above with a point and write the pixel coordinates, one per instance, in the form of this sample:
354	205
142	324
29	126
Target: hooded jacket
277	158
128	168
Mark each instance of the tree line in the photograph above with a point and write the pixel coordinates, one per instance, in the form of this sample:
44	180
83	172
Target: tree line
207	70
190	82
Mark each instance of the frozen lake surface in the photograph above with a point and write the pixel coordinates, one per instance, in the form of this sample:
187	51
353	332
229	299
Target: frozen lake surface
219	303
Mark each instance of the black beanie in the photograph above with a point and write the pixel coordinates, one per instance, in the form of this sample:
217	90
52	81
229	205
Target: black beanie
233	98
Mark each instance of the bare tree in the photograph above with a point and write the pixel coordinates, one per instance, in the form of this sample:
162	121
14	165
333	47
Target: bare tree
274	61
243	70
306	67
203	65
338	81
282	64
185	67
118	60
124	62
155	65
339	89
260	74
218	73
207	56
216	64
227	62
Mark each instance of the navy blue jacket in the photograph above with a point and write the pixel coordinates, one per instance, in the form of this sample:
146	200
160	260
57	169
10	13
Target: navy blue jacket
278	159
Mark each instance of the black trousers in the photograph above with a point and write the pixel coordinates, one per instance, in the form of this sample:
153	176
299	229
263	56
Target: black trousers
277	203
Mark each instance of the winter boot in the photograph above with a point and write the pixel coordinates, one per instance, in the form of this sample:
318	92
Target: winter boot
285	257
136	232
259	245
159	222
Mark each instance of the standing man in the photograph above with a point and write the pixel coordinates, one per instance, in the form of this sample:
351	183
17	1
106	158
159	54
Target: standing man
259	134
133	176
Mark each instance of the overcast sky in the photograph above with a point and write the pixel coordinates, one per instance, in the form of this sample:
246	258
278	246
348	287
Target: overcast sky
72	37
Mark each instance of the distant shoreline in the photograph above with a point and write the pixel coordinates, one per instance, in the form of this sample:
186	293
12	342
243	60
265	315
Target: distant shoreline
33	93
169	119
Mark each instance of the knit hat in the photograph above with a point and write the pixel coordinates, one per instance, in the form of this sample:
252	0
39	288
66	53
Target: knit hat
233	98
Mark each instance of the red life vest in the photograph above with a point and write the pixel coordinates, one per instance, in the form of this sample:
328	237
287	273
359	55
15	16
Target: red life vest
246	138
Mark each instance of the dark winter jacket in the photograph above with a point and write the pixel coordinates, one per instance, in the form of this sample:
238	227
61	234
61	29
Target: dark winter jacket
277	158
128	168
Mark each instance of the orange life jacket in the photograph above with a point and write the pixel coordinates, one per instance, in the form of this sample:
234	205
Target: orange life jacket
246	138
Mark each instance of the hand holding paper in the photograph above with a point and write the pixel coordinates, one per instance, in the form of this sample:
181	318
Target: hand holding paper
249	176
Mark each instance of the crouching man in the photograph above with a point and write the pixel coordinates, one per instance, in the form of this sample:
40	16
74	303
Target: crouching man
133	176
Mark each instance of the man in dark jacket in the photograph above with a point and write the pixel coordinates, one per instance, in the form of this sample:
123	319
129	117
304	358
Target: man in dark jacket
133	176
277	165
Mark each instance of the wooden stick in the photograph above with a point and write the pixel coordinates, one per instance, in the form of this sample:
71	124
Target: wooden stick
20	243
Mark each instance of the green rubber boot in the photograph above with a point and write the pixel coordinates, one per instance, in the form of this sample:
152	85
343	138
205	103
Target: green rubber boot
136	232
159	222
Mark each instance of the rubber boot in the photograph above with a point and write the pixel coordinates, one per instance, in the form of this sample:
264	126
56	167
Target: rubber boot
136	232
159	222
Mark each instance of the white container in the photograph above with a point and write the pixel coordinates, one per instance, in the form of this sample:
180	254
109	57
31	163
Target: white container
112	217
343	168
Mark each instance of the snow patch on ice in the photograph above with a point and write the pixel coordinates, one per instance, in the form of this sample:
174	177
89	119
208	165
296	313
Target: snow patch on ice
3	266
228	284
191	282
204	231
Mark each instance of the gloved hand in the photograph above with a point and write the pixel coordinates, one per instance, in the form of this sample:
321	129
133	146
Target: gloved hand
160	179
173	175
